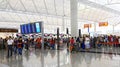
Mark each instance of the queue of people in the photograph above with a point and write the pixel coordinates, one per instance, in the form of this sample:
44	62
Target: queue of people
87	42
16	45
3	43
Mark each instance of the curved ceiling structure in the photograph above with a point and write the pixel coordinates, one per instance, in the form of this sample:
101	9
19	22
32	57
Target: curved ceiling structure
25	11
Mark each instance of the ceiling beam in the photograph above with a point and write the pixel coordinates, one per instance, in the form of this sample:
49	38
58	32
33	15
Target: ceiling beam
11	8
98	6
19	16
23	5
8	4
35	6
55	7
117	3
117	24
32	13
46	6
1	21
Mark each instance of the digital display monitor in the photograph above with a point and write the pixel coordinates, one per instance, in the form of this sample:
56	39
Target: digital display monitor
38	29
31	28
26	31
22	30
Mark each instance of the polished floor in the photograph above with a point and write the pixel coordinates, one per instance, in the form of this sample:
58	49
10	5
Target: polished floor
61	58
105	50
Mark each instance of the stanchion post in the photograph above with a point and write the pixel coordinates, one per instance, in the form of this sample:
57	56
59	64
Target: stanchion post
42	53
58	39
42	32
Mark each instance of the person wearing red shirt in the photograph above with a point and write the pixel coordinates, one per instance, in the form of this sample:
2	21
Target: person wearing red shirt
110	38
72	41
52	43
38	41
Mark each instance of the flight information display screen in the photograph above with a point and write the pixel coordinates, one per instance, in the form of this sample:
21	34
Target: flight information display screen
31	28
22	29
26	28
38	27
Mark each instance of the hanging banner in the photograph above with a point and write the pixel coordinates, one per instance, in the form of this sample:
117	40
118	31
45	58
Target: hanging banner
87	25
103	24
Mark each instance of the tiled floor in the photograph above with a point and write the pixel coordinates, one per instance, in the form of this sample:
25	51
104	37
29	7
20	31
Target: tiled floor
61	58
106	50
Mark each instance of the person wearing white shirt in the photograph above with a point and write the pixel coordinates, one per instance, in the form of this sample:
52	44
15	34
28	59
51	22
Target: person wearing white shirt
9	43
87	42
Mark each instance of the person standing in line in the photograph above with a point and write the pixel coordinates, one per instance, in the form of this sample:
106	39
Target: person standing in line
26	44
78	43
118	41
87	43
38	41
15	46
83	42
72	42
1	43
52	43
20	43
9	45
5	43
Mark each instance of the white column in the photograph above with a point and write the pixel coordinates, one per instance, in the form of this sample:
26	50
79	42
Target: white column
94	27
113	29
63	24
74	17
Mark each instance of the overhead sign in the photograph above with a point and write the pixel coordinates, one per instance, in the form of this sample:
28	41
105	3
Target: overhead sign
87	25
103	24
8	30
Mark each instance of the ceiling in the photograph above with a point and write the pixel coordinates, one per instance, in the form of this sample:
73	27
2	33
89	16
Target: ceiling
25	11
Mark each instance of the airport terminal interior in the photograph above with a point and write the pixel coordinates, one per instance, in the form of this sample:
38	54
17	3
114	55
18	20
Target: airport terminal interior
59	33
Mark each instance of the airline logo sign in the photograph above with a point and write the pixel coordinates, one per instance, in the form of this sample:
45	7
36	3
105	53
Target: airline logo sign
103	24
87	25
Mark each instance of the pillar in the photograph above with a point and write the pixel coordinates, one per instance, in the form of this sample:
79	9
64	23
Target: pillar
74	17
94	27
63	24
113	29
